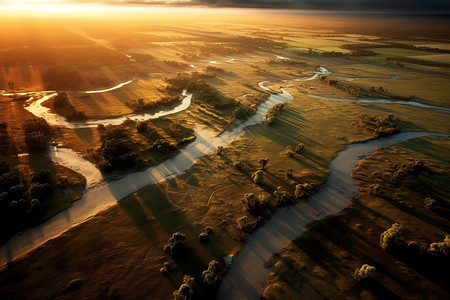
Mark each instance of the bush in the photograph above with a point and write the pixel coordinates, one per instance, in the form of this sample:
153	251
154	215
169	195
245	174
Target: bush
203	237
375	189
430	203
186	289
263	162
43	176
441	248
40	191
242	222
258	177
302	189
175	243
238	165
254	203
299	148
289	172
37	126
163	146
390	236
209	276
366	271
142	127
282	196
36	142
17	191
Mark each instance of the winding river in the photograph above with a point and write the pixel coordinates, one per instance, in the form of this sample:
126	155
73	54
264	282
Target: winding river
247	276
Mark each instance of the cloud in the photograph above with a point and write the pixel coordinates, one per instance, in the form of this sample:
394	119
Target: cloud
386	5
397	5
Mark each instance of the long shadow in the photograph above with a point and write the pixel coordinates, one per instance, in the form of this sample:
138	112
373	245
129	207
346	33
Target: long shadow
378	290
435	268
137	214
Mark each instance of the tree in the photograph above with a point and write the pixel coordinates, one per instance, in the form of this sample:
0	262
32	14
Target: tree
289	172
263	162
366	271
441	248
209	276
142	127
258	177
301	189
281	196
186	289
40	191
175	243
390	236
219	150
254	203
242	222
43	176
299	148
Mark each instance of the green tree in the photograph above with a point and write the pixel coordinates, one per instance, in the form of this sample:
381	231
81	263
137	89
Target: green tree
390	236
364	272
258	177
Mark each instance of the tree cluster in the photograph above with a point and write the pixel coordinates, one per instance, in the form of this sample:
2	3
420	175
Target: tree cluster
140	105
209	276
37	134
19	204
117	148
272	113
64	106
391	236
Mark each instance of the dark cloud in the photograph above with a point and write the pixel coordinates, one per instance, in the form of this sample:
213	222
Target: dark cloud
442	6
398	5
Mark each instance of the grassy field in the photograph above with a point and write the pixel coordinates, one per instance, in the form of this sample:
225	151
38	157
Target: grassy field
119	252
320	263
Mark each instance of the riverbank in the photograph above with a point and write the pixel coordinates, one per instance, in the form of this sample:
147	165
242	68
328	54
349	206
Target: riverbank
320	262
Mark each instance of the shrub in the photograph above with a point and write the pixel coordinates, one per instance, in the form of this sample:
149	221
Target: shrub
258	177
254	203
375	189
242	222
43	176
17	191
238	165
301	189
175	243
163	146
203	237
62	181
219	150
209	229
40	191
209	276
299	148
36	142
390	236
430	203
142	127
263	162
289	172
186	289
366	271
282	196
441	248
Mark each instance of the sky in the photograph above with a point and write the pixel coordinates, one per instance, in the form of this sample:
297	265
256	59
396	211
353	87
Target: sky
379	5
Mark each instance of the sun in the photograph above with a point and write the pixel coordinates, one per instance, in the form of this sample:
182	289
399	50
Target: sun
45	7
